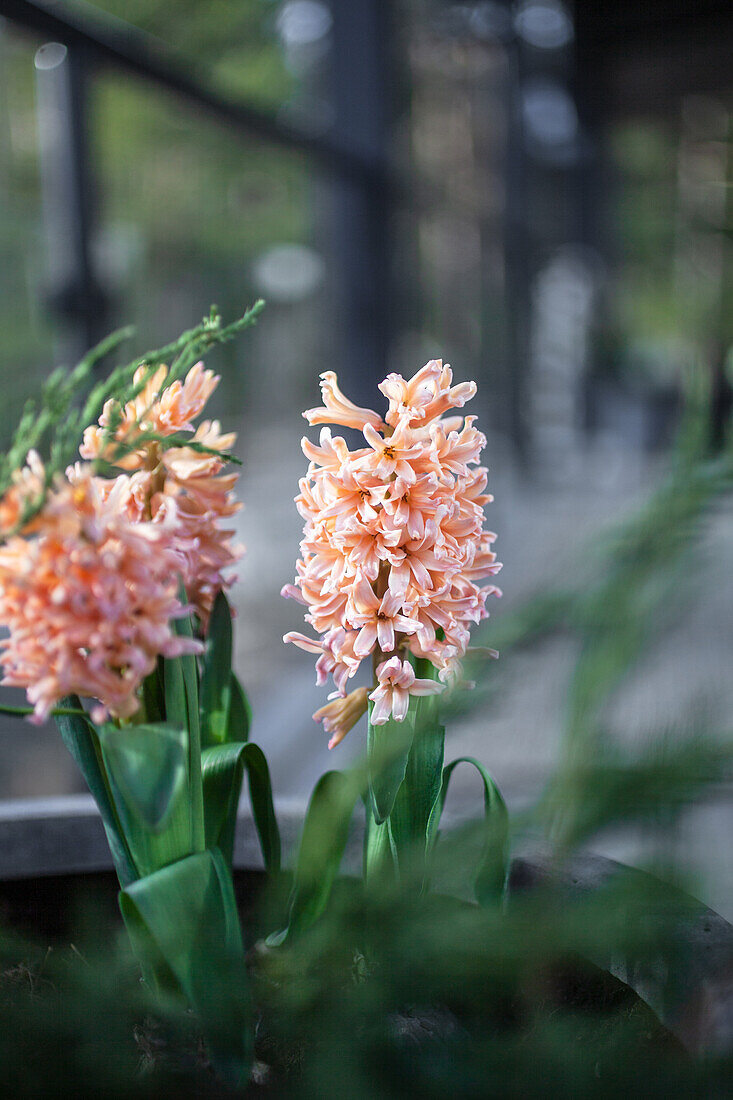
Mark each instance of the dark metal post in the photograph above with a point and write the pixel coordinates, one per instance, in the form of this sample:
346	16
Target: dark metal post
362	229
516	259
62	85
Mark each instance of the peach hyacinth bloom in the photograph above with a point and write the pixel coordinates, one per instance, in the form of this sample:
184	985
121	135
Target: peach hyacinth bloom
394	547
87	596
178	485
28	485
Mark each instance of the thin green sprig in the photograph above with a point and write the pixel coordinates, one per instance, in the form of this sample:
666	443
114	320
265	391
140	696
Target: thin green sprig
23	712
58	419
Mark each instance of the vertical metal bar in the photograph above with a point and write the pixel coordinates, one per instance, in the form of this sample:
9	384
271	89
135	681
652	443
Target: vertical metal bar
62	79
516	258
362	227
721	395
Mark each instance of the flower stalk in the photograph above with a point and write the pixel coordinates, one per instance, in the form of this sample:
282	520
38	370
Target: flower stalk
394	566
113	577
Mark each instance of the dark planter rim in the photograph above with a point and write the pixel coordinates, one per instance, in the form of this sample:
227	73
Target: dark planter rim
64	836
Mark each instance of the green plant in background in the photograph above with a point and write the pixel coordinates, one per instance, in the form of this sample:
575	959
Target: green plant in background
633	583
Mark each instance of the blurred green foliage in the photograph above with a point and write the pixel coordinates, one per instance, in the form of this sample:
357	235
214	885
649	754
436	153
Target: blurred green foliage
396	991
390	994
233	46
182	204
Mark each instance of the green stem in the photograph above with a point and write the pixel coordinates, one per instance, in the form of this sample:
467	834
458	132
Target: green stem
379	850
23	712
198	830
406	786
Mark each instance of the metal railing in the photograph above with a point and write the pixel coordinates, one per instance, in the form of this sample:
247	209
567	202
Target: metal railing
80	45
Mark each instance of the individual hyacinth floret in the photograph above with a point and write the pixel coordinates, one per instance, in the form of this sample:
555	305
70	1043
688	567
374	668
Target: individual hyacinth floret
394	546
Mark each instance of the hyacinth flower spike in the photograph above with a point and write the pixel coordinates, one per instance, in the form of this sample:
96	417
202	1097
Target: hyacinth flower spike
394	549
113	578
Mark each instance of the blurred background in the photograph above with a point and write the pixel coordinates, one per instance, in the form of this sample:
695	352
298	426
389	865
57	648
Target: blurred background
537	192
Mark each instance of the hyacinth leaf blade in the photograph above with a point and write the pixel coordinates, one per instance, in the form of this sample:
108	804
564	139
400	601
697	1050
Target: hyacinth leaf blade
420	789
147	766
185	697
174	693
216	674
81	739
413	812
380	853
184	927
153	694
322	845
240	712
183	627
490	876
388	748
403	838
263	809
223	768
147	769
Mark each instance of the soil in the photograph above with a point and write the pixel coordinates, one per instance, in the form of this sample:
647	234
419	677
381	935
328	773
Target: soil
47	911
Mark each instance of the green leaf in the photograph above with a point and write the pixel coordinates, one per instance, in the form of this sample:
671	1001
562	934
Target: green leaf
180	682
174	691
418	796
388	747
147	766
216	674
147	769
263	810
222	768
380	854
183	924
240	713
490	877
403	839
81	739
183	627
325	832
153	695
420	790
